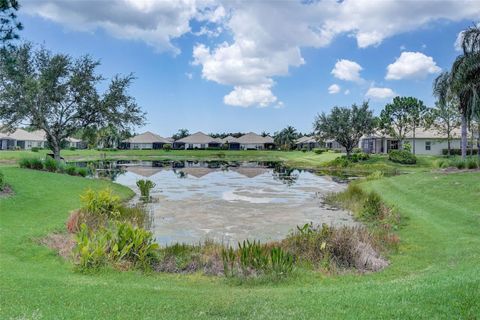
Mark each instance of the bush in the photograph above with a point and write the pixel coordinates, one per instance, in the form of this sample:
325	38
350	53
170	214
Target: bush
72	148
304	149
83	172
167	147
2	181
50	164
357	150
71	170
458	152
35	149
319	150
121	245
25	163
145	186
359	156
103	204
36	164
372	206
472	164
402	156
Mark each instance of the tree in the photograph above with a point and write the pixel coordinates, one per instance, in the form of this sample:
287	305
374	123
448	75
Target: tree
463	81
181	133
286	137
395	119
264	134
8	21
444	119
418	116
345	125
59	95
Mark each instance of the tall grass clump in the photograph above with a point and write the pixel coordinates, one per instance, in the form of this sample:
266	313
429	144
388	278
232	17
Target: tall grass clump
145	187
50	164
2	181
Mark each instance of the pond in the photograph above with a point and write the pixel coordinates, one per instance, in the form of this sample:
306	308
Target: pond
228	201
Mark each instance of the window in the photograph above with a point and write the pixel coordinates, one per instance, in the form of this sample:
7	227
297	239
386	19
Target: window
392	144
428	145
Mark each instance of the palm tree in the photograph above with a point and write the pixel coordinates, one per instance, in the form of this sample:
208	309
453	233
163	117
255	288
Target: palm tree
286	138
463	81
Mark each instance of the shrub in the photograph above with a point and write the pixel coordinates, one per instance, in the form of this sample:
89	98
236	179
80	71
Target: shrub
304	149
71	170
359	156
167	147
103	203
72	148
50	164
319	150
372	206
472	164
121	244
35	149
145	186
2	181
402	156
25	163
83	172
457	152
459	163
357	150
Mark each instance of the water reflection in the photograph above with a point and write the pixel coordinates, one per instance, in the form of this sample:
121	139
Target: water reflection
227	201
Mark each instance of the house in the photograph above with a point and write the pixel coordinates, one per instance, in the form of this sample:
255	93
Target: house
76	143
146	140
253	141
307	142
334	145
231	143
197	140
427	142
21	139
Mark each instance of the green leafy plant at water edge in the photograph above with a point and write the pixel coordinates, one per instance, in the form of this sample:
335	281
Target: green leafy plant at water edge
121	245
402	157
145	187
281	261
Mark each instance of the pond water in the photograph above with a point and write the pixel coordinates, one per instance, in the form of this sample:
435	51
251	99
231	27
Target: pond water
228	201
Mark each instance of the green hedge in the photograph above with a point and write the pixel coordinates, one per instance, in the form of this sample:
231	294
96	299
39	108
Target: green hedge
457	152
402	156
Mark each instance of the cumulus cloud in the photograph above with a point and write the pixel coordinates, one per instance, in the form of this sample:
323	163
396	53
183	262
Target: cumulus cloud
266	36
380	93
333	89
411	65
347	70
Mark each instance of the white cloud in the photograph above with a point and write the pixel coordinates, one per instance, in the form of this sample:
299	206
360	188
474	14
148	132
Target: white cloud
266	36
380	93
156	23
411	65
333	89
347	70
246	96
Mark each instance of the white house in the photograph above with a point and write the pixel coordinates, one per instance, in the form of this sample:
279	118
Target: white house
427	142
146	140
197	140
307	142
253	141
21	139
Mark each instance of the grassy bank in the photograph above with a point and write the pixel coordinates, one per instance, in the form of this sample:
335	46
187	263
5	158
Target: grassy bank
435	274
291	158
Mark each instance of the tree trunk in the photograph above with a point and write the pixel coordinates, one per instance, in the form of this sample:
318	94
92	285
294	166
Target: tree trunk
448	144
55	147
413	147
464	136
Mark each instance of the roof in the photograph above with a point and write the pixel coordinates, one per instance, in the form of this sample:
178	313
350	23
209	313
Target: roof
229	139
306	139
20	134
252	138
420	133
199	138
147	137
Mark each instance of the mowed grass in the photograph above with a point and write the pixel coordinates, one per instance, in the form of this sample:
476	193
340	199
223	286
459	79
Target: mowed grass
435	274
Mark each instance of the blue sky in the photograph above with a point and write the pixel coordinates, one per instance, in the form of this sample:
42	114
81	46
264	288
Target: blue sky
246	71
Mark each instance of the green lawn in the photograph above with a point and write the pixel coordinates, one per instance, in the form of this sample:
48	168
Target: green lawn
435	274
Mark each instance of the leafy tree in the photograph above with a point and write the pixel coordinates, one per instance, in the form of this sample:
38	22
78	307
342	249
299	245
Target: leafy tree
463	81
286	137
345	125
181	133
9	26
418	116
264	134
59	95
395	119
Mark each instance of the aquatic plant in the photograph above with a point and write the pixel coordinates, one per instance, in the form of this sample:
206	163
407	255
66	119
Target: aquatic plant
145	187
